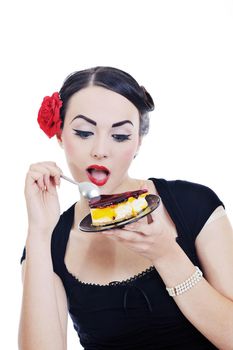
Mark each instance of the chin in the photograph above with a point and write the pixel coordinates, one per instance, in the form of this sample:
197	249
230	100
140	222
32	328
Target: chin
107	189
111	189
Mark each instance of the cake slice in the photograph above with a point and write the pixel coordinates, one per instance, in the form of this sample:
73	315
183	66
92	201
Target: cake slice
109	209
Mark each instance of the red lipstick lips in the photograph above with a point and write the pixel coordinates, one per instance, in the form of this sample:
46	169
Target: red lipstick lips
98	174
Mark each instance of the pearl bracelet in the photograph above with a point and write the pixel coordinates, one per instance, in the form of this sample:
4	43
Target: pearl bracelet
186	285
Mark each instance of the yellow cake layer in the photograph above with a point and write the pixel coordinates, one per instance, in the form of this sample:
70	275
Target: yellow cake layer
120	211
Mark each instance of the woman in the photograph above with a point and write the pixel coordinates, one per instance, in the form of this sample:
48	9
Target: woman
159	284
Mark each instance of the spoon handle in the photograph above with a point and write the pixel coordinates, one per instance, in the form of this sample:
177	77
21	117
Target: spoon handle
68	179
87	189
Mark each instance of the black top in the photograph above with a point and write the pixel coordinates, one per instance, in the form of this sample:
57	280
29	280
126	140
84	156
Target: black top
137	313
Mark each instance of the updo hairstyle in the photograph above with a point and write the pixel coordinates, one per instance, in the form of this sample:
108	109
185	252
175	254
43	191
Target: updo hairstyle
112	79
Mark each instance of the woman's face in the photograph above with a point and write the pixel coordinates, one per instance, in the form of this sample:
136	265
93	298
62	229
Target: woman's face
100	137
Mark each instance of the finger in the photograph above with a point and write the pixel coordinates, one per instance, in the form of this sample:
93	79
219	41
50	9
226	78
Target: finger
49	170
43	181
138	227
129	236
34	177
45	165
46	181
53	166
110	232
49	163
55	172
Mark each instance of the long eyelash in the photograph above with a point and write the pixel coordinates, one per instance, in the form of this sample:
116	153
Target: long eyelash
121	137
116	137
83	134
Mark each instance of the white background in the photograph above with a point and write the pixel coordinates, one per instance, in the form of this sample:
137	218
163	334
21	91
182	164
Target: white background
181	51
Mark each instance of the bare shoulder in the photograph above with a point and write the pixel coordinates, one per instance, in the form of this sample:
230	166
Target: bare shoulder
214	246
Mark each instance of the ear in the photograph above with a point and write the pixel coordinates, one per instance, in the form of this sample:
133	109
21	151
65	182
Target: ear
59	140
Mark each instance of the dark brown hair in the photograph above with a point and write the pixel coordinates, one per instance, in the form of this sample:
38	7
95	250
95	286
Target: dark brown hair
112	79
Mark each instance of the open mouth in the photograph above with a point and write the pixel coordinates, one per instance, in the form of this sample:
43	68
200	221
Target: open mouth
97	174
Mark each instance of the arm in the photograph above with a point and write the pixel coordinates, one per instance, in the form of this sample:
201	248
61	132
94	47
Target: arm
44	311
43	321
209	304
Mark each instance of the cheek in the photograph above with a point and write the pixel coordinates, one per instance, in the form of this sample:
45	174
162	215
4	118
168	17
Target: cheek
73	156
126	156
69	145
69	149
131	150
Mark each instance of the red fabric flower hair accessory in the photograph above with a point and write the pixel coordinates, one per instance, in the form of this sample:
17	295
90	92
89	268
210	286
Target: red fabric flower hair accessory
49	115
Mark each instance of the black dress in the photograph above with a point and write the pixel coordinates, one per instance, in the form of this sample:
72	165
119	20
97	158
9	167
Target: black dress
137	313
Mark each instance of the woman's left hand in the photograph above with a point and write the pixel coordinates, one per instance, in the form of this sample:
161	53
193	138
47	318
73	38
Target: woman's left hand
152	240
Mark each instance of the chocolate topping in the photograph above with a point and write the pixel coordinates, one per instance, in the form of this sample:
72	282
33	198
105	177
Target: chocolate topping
107	200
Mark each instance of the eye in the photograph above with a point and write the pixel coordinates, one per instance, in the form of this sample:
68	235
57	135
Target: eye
121	137
83	134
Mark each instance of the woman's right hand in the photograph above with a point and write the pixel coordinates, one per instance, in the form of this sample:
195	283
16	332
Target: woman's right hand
41	196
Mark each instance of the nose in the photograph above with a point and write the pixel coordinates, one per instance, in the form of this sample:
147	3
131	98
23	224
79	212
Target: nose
99	150
98	155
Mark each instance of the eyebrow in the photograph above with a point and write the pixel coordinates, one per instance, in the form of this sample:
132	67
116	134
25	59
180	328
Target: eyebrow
89	120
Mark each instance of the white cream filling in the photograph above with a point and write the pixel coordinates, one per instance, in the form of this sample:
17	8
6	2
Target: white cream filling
124	211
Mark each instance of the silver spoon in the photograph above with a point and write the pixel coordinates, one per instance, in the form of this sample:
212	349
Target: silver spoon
87	189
